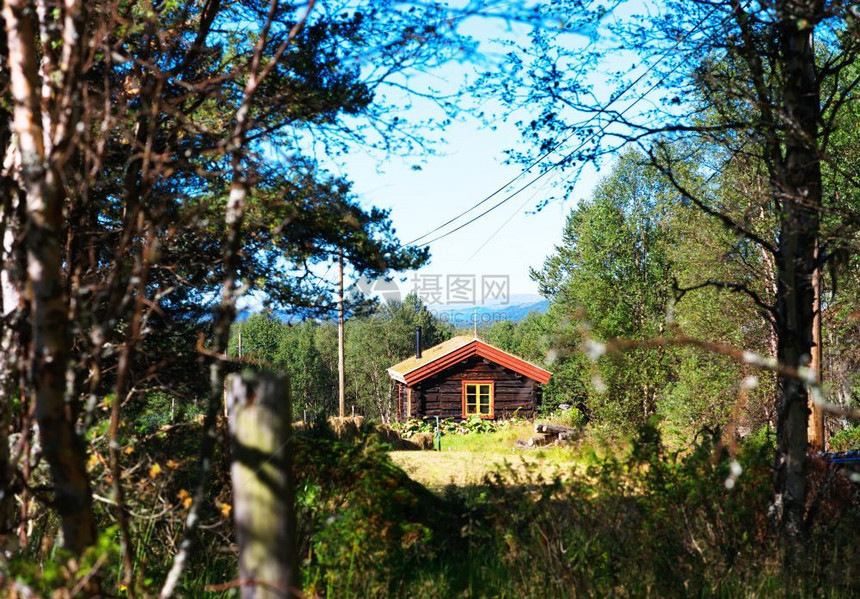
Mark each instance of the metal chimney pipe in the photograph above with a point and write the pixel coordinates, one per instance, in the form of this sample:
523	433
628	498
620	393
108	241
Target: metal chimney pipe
418	342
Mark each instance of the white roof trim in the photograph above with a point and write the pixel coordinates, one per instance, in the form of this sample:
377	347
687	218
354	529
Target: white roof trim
397	376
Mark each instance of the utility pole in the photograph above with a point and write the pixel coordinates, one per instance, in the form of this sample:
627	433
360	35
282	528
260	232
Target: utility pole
341	393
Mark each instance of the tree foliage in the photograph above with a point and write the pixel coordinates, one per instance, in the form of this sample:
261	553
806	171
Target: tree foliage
753	85
159	162
374	341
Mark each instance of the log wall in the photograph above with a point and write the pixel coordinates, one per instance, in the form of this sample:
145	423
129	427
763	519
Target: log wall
442	395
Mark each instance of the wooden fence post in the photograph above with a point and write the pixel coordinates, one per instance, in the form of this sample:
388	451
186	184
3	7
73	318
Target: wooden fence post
263	495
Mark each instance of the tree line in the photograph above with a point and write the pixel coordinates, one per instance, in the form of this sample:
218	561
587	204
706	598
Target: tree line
307	351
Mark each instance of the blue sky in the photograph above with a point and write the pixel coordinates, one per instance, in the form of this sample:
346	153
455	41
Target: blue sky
470	163
468	166
505	242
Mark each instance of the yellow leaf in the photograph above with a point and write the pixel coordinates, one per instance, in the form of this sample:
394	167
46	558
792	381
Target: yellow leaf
92	462
225	509
182	494
173	464
154	470
129	449
186	503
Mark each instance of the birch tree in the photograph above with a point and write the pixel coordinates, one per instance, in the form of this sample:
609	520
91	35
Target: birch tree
42	156
758	82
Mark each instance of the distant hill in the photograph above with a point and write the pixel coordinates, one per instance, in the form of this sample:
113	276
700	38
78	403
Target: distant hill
462	315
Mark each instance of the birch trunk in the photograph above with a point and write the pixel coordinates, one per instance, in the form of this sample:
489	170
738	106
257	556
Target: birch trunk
815	427
62	448
769	262
10	287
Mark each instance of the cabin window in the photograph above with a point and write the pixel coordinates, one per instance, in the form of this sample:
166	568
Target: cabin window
478	399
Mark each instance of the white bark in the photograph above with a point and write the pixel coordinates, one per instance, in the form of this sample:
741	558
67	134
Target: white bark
62	449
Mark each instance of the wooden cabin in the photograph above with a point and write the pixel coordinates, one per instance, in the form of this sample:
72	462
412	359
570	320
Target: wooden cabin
465	376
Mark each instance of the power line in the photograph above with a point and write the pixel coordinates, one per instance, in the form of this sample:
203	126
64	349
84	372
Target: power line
555	165
509	219
528	199
558	144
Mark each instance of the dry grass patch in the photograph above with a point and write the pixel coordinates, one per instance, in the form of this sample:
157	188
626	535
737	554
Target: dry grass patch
467	459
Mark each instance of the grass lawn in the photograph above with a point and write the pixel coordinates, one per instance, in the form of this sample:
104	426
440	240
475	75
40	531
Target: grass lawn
466	459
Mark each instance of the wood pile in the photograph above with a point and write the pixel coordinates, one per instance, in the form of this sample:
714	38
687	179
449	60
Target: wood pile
549	434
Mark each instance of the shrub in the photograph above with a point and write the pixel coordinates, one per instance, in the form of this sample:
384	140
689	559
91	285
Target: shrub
572	417
649	522
365	527
413	426
449	426
846	440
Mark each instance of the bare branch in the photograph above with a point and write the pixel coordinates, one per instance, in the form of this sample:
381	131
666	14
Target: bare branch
727	221
767	309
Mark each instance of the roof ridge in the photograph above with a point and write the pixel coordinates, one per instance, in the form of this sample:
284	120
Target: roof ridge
512	355
412	366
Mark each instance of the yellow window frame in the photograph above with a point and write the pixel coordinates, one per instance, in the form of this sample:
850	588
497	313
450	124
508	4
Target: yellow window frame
479	398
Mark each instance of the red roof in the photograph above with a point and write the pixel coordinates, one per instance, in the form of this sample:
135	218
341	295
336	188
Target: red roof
409	372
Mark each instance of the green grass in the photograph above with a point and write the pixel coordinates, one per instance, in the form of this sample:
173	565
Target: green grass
502	440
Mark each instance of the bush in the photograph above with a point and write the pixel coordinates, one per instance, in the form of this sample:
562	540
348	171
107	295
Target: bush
62	570
650	523
846	440
449	426
639	521
158	409
411	427
366	528
571	417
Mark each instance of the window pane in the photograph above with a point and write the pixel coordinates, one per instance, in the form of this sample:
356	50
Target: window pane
478	398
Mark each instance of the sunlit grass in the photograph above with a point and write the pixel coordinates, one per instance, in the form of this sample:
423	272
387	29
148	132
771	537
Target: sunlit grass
467	459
